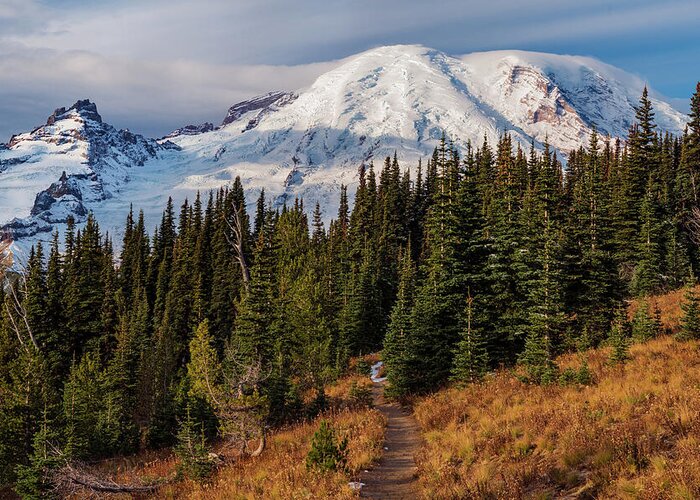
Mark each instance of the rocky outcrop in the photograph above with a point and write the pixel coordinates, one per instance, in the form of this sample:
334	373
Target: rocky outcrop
191	130
86	109
262	102
65	191
95	158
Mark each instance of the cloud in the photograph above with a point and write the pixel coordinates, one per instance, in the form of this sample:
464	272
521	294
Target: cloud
151	97
155	65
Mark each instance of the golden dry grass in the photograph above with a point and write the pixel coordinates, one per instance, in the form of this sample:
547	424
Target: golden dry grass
280	472
635	433
669	305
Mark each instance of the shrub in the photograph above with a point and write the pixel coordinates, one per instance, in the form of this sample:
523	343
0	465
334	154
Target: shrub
363	367
360	395
195	460
584	376
327	454
567	377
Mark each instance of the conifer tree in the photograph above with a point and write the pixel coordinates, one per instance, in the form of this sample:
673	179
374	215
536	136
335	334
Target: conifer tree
192	449
396	343
327	453
471	357
34	479
82	403
203	367
690	320
643	327
619	338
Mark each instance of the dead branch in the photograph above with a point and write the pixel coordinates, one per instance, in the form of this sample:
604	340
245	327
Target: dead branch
20	311
260	447
75	477
693	224
236	227
70	479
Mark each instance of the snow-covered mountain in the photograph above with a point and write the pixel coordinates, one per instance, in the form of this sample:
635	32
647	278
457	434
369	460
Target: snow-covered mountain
310	141
72	163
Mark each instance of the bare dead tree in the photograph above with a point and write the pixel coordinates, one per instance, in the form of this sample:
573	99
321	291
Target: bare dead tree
693	224
74	478
236	242
233	390
17	315
241	409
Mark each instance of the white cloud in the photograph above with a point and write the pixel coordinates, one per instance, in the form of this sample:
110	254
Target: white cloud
155	65
151	97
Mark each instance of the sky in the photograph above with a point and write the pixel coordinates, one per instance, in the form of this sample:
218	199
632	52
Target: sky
155	65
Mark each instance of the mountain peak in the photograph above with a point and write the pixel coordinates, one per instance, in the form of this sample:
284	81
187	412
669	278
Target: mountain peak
397	98
84	108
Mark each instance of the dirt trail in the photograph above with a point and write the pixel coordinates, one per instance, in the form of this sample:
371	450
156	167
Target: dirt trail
395	474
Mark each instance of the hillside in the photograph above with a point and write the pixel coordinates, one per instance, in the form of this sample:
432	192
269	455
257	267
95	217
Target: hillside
633	433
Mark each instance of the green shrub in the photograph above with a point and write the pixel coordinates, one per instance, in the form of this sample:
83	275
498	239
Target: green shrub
567	377
195	460
327	454
363	367
360	395
584	376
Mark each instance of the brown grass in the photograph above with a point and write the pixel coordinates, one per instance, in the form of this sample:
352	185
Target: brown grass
280	472
669	305
634	434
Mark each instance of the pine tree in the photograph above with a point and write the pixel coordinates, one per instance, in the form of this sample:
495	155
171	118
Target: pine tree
643	327
647	274
542	263
471	357
690	321
192	449
327	453
82	403
84	290
57	352
396	350
34	480
203	367
619	338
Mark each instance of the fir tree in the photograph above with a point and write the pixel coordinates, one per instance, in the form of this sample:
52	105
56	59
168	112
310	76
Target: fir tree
34	480
471	357
690	320
643	327
396	349
327	453
192	449
619	338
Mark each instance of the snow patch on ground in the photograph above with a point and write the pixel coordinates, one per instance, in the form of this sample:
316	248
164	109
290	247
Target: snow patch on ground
376	368
356	485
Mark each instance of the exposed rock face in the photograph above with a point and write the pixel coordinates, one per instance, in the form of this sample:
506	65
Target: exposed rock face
191	130
262	102
85	108
64	197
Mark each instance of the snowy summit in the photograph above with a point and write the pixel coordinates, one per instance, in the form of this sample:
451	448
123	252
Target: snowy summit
310	141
